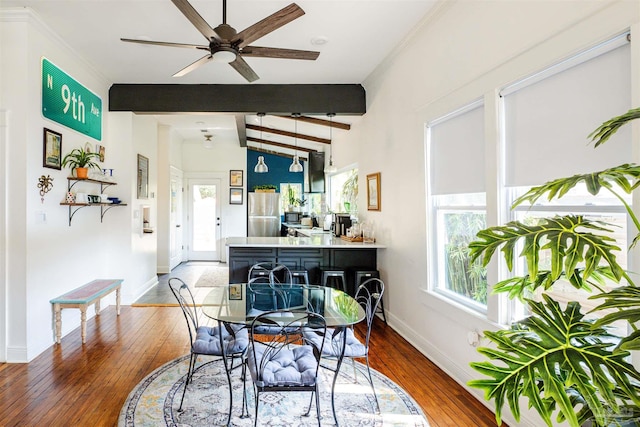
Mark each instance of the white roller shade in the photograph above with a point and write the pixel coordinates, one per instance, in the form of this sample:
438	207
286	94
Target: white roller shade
456	152
547	122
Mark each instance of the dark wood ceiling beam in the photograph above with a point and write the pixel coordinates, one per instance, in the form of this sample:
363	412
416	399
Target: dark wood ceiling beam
347	99
289	134
321	122
242	130
277	153
279	144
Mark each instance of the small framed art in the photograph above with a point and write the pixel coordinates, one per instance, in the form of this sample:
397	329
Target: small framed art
235	178
235	291
235	196
373	191
51	149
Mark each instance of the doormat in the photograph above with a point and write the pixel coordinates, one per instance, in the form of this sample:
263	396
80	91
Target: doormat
213	276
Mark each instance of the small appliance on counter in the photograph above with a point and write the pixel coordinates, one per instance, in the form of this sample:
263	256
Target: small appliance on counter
292	217
340	223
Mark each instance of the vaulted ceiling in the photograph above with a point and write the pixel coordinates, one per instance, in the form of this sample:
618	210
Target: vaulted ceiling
352	36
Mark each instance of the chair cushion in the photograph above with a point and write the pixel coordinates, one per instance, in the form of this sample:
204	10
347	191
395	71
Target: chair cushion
292	365
208	340
333	345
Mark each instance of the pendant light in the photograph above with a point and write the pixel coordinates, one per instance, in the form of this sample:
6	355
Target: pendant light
261	166
331	168
208	143
295	165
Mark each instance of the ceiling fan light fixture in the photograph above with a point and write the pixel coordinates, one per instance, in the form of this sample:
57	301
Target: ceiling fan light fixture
224	55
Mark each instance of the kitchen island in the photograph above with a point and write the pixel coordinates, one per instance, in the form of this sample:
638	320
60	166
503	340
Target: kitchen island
310	253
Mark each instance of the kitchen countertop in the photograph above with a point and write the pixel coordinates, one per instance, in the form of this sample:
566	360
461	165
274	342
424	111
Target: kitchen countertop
320	240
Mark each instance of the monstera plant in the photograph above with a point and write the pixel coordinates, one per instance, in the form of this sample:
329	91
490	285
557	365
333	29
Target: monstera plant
570	367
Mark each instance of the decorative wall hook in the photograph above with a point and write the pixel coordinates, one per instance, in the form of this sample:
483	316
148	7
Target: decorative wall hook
45	184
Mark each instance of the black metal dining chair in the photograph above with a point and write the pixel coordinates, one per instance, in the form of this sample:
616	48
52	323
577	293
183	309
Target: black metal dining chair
282	361
342	343
227	341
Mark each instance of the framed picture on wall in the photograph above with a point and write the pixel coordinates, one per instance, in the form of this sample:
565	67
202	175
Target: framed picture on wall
143	177
235	178
52	149
235	196
373	191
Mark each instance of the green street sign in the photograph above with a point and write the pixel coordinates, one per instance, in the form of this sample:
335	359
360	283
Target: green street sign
67	102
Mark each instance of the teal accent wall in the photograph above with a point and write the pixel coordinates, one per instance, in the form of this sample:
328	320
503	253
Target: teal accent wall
278	170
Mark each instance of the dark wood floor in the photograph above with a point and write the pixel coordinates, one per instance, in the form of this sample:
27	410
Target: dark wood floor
75	384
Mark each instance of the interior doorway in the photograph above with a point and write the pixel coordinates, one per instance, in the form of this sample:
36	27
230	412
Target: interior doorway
204	219
176	245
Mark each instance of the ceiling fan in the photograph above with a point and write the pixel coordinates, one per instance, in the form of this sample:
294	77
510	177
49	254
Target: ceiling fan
227	45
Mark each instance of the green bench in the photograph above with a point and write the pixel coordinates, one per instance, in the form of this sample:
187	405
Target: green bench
81	298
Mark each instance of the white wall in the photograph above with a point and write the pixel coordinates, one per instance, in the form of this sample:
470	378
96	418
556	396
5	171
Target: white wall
464	51
46	256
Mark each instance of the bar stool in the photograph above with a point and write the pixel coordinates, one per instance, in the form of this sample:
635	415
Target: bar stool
331	276
363	275
271	272
300	276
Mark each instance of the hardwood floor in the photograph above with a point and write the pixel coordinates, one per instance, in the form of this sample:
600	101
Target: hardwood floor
75	384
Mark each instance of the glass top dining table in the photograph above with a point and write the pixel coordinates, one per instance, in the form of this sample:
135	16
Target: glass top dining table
240	303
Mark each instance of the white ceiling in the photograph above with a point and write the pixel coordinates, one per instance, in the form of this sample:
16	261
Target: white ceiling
359	34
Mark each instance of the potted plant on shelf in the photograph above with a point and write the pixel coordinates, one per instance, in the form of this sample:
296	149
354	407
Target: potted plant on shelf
81	160
569	367
265	188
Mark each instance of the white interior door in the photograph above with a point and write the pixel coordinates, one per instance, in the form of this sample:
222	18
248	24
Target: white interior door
176	232
204	219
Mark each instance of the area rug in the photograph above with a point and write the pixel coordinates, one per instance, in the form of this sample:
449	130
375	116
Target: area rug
213	276
156	399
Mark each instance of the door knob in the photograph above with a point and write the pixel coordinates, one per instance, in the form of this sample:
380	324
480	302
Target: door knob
178	226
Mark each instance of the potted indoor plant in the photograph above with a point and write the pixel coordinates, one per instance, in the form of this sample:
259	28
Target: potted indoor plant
265	188
569	368
81	160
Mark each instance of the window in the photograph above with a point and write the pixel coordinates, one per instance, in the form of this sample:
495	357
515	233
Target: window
548	118
458	218
291	197
457	204
343	187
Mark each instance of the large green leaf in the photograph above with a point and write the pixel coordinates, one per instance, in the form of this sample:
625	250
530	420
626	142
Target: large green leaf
624	177
625	301
608	128
523	286
568	238
560	363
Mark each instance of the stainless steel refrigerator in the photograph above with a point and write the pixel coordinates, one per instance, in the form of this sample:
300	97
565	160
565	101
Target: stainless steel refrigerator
264	215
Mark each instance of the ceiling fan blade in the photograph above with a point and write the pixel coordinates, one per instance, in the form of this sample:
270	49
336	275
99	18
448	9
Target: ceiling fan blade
191	67
241	66
198	21
189	46
274	52
267	25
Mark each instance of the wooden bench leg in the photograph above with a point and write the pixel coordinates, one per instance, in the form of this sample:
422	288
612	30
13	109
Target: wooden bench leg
83	323
118	300
97	307
58	322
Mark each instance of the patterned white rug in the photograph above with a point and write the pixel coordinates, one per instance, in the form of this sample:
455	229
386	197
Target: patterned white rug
155	401
213	276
